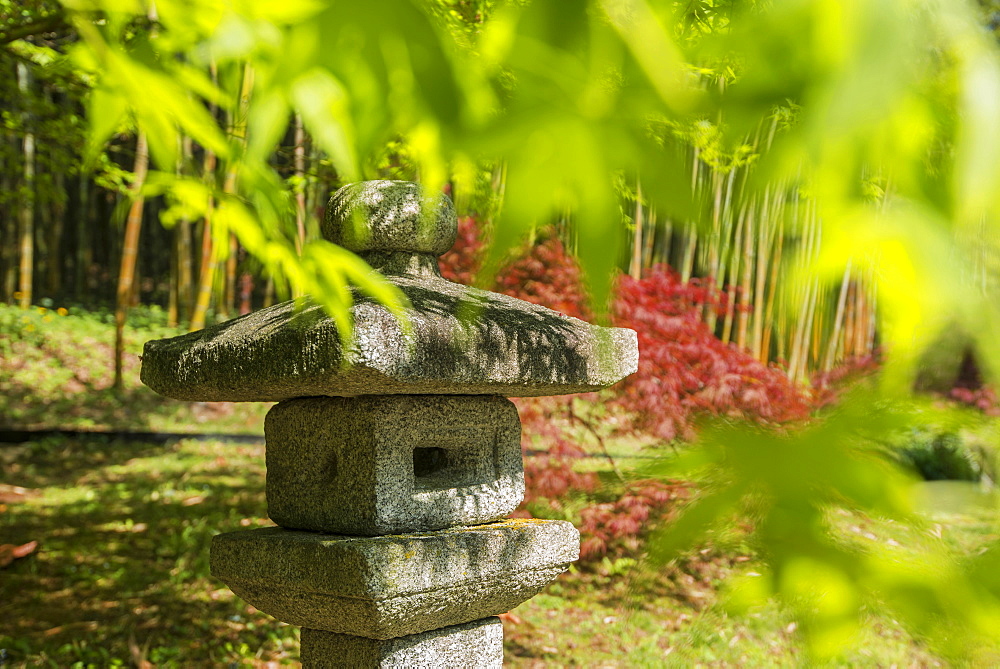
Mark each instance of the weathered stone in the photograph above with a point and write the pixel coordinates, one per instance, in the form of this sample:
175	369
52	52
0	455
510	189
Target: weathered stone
390	586
403	429
464	341
387	464
387	216
478	645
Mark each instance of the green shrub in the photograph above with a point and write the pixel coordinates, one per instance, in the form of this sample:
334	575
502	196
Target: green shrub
941	455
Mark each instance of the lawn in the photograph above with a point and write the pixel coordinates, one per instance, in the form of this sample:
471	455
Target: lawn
56	371
120	577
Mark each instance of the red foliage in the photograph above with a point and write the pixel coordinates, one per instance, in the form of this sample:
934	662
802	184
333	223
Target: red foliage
684	370
550	474
462	263
983	398
618	526
546	275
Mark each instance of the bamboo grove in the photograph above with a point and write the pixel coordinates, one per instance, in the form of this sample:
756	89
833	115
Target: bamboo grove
77	231
93	229
73	235
750	246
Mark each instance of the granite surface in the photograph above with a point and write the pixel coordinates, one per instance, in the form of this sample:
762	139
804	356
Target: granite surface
464	341
374	216
478	645
391	586
397	463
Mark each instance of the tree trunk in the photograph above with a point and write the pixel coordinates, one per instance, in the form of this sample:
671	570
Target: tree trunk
130	247
8	235
58	209
268	292
173	293
185	267
246	287
206	270
84	249
27	218
300	184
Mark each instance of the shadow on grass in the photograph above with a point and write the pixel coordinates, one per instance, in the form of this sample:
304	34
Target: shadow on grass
121	572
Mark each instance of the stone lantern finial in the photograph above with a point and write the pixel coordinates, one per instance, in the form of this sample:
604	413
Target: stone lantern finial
380	216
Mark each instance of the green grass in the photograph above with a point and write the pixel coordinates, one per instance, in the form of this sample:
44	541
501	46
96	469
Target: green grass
121	576
121	571
57	369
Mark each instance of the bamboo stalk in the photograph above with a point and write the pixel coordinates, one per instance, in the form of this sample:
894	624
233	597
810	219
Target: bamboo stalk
838	320
173	293
713	251
690	244
635	266
668	240
268	292
798	347
870	314
860	322
872	332
725	238
690	239
228	303
734	266
775	263
802	321
8	232
57	212
748	251
647	252
763	243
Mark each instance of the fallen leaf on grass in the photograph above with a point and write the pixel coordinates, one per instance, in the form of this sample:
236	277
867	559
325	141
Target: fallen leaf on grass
134	529
221	593
139	653
10	552
191	501
12	494
511	618
85	625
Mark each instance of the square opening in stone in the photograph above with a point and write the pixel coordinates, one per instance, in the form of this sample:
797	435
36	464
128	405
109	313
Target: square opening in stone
428	461
454	459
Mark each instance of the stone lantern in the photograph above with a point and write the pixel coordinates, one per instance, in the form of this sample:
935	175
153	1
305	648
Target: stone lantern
392	464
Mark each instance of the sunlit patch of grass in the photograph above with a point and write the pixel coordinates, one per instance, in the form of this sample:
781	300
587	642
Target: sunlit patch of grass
121	573
58	373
